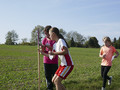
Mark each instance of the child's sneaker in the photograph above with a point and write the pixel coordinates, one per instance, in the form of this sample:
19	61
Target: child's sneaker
103	88
110	81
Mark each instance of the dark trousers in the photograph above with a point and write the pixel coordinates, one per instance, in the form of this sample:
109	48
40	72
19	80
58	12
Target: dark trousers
104	72
50	70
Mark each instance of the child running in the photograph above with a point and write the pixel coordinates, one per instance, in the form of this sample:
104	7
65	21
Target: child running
60	48
106	53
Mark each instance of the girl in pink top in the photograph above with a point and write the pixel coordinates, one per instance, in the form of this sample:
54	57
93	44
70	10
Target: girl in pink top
46	42
50	66
106	53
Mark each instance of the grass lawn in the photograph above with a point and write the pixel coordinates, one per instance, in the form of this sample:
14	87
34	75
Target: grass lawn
19	69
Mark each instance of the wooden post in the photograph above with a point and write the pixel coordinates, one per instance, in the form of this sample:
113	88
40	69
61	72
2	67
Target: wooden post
38	61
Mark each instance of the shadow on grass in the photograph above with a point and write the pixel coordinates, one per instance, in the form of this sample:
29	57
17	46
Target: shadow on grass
79	85
90	84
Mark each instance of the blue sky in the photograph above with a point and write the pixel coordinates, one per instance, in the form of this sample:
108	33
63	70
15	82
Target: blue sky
97	18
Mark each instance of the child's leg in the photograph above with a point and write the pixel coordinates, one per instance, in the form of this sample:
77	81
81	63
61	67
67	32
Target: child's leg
108	69
105	77
48	75
54	68
58	84
61	73
102	70
54	77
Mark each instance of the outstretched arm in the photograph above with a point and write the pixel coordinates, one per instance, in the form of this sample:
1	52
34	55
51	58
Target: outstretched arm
44	46
47	55
48	46
43	53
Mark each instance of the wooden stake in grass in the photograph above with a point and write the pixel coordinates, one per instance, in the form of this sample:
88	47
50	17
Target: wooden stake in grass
38	32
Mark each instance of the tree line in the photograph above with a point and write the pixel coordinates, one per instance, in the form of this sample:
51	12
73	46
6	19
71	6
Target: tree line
73	38
116	43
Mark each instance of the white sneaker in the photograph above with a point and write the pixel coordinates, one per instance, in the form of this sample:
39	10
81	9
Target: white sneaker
110	81
103	88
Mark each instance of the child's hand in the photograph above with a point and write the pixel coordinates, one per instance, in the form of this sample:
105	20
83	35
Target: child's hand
104	55
51	53
40	51
41	46
115	56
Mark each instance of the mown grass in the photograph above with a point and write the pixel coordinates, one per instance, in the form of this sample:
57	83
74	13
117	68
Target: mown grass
19	69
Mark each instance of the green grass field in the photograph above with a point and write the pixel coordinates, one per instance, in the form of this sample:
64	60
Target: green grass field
19	69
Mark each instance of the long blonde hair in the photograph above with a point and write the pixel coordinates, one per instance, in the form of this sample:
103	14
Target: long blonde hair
107	39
